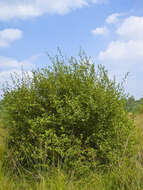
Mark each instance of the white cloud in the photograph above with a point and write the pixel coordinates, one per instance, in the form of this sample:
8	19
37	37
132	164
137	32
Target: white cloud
113	18
131	28
121	57
8	63
129	45
10	9
5	78
120	51
10	66
125	54
7	36
99	1
100	31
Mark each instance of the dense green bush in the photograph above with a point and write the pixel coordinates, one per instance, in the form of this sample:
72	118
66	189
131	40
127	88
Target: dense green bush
69	114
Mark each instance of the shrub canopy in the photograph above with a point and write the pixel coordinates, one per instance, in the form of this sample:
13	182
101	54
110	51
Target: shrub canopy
69	114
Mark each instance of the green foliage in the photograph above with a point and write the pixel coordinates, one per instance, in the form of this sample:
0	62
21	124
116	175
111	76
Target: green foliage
70	114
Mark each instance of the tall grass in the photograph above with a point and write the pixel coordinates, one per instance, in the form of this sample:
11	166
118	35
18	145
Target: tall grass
125	179
127	175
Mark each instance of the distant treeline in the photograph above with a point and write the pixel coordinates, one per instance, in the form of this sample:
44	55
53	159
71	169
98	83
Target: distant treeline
135	105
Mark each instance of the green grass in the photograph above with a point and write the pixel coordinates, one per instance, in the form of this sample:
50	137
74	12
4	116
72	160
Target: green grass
125	176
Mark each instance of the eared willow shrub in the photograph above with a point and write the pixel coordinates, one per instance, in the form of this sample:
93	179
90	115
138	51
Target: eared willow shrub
69	114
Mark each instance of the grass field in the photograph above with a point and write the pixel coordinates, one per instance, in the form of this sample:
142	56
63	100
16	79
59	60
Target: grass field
121	178
139	120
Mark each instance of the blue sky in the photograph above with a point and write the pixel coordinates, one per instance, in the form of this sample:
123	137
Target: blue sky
110	31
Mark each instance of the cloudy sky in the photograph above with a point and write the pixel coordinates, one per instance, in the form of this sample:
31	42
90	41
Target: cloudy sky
110	31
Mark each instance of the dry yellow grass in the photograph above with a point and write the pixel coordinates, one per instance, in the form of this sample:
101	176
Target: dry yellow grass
139	120
2	143
2	134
